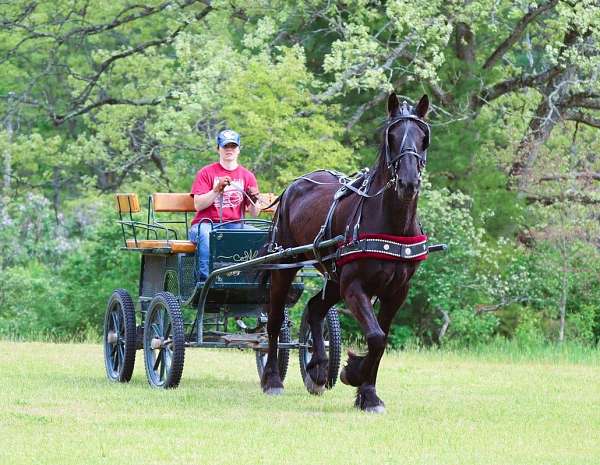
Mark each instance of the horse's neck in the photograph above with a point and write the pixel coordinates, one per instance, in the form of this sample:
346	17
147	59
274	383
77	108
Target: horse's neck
387	213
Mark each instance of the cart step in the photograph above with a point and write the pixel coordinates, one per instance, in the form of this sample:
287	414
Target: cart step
244	338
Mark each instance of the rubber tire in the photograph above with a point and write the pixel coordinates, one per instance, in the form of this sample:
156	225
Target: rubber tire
172	375
283	355
120	300
334	332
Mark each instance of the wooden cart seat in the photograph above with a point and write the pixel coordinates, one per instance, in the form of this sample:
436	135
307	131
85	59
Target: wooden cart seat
174	246
184	202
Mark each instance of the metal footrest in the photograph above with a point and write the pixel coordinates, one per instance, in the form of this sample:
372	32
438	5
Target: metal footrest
250	339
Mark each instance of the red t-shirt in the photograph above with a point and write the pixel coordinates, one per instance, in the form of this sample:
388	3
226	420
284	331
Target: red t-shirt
234	201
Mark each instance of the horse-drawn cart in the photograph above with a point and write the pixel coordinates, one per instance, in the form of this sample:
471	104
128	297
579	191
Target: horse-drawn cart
174	311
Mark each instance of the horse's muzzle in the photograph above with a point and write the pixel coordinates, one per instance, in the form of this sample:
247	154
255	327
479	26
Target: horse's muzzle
408	189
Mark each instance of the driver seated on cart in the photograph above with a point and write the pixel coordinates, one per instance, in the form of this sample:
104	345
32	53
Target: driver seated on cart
223	191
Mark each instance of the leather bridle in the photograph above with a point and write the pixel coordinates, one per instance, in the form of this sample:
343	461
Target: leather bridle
393	162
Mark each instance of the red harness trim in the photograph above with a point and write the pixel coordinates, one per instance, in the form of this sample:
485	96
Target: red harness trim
400	240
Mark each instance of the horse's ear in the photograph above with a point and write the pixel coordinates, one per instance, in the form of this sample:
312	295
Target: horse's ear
422	107
393	105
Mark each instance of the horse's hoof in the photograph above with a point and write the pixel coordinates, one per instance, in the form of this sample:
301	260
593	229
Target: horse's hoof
343	378
312	387
275	391
375	409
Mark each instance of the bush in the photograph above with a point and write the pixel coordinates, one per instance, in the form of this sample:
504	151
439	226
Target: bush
62	294
529	333
580	326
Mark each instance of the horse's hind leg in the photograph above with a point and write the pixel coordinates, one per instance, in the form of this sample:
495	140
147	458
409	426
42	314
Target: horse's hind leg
317	307
280	284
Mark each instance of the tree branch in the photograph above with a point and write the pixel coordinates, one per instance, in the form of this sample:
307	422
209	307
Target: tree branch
540	80
27	10
584	118
60	119
361	68
583	102
585	175
118	21
479	309
517	33
576	197
497	90
93	80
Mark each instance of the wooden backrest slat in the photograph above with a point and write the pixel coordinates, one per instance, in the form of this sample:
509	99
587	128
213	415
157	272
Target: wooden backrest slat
184	202
169	202
127	203
266	200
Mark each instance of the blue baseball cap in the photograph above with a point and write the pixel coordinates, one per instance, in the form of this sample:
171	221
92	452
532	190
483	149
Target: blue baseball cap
228	137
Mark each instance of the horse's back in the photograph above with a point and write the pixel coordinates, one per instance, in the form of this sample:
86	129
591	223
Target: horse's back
304	207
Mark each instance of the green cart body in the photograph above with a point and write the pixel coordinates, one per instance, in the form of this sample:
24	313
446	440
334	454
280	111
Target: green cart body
227	311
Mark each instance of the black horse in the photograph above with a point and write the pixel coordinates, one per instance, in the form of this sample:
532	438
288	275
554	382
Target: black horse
382	208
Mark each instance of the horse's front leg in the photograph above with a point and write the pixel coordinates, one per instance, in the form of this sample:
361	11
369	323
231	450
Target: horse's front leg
387	311
280	283
362	371
318	367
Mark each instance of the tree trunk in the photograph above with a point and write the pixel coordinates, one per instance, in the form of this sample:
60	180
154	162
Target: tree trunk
6	178
445	325
540	127
563	298
7	158
464	43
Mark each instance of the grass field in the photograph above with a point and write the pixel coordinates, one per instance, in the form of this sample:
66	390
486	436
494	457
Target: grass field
442	408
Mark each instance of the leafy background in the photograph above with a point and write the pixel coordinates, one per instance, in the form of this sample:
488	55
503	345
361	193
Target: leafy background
100	97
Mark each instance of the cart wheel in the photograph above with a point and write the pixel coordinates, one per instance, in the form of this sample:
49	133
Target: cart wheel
332	333
283	355
119	337
164	341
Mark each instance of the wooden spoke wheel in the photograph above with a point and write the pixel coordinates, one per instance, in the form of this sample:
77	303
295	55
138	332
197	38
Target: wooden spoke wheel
164	341
283	355
332	334
119	337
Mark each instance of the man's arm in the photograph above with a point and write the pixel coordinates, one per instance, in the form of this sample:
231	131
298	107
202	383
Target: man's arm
253	207
254	210
202	201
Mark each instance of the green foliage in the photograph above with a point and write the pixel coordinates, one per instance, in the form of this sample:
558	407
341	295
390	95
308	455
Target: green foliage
401	337
32	303
529	332
285	133
57	286
582	326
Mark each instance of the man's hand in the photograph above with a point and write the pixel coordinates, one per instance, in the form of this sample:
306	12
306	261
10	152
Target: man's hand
252	192
222	184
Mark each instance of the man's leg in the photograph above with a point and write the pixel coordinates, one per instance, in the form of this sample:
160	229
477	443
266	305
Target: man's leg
199	234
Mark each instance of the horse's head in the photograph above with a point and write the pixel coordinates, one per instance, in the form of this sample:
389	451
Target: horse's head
406	138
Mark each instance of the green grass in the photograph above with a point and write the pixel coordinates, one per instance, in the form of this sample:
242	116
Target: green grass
442	408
